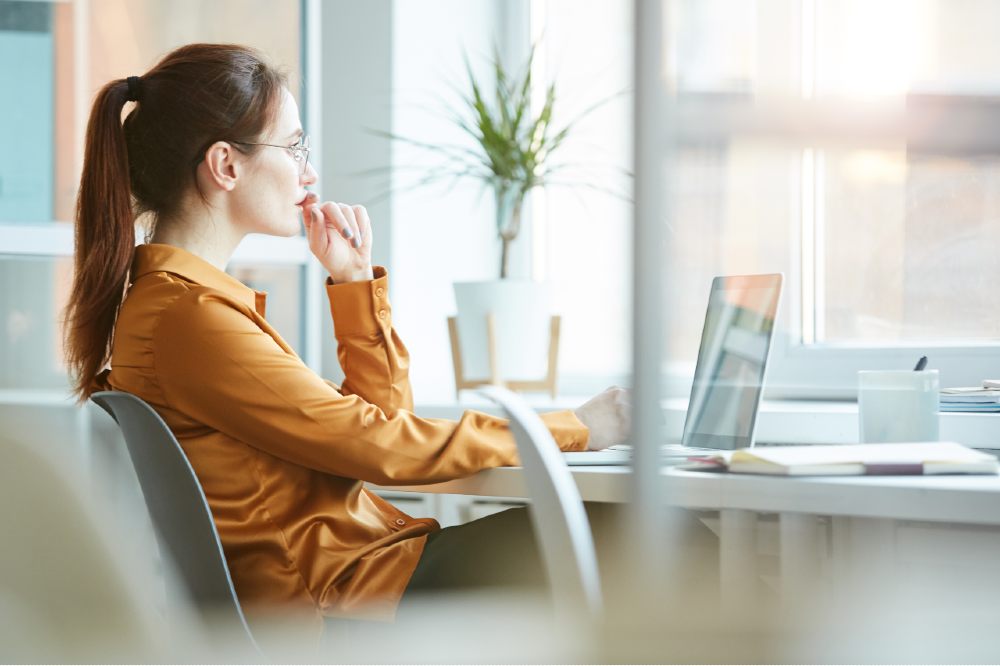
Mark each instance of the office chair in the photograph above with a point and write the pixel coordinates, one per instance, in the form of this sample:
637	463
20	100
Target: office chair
180	514
557	514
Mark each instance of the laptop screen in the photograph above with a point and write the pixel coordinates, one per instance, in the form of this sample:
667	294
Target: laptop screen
729	376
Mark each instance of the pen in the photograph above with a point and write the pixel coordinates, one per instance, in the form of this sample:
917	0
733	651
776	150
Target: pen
921	364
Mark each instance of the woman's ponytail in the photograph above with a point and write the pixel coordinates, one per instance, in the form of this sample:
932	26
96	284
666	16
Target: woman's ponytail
105	240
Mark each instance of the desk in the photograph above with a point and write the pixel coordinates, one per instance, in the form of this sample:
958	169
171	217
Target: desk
778	421
955	499
842	524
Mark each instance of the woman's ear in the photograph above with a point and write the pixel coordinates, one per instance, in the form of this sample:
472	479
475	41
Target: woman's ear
221	165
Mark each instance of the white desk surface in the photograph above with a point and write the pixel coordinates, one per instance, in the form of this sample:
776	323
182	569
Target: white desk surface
780	421
970	499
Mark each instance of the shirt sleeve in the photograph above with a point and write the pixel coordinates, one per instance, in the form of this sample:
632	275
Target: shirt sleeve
375	362
215	364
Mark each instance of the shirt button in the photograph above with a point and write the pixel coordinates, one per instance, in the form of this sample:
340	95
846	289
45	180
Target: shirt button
400	522
380	292
382	314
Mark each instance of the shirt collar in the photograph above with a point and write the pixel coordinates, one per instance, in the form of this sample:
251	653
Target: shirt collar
160	258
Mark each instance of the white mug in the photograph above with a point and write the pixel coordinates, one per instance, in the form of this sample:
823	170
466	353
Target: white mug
898	406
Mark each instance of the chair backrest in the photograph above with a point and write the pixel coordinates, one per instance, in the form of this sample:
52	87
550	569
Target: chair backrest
177	506
557	514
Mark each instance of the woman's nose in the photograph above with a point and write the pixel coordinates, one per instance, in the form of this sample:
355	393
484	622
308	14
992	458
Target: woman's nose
310	176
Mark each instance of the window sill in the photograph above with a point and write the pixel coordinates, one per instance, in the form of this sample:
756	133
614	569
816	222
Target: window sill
780	421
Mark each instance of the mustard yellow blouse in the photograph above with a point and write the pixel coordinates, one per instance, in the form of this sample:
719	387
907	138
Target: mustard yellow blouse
282	455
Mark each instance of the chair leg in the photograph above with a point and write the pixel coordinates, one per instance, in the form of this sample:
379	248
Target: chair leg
456	355
550	378
548	383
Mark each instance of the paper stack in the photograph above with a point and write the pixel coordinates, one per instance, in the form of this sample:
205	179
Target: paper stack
985	398
857	459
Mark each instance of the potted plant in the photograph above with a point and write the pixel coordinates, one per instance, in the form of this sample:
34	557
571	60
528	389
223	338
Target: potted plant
505	331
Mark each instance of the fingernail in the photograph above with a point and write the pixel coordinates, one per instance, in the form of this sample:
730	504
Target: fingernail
356	242
347	233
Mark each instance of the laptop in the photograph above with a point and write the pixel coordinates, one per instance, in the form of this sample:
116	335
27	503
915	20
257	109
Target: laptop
729	375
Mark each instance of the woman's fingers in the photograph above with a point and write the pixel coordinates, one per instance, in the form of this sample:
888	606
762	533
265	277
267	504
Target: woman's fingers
350	222
333	217
348	213
364	224
316	229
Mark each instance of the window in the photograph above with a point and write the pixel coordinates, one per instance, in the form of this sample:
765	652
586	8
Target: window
66	50
582	238
895	219
846	143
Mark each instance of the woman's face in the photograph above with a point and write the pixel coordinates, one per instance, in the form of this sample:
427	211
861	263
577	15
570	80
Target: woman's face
275	181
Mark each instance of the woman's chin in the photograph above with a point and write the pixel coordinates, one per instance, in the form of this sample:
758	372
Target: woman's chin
275	226
292	227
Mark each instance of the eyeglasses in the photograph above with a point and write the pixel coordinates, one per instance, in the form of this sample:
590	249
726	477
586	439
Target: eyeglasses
299	151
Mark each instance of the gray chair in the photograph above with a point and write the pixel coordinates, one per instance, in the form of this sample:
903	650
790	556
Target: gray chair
180	514
557	514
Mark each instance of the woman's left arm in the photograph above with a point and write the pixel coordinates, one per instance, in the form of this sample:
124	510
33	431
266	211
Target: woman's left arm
376	365
375	362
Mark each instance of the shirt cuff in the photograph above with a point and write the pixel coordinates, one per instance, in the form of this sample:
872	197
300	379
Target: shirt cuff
568	431
360	308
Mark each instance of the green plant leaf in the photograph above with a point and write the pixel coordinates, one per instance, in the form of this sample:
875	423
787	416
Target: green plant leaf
512	146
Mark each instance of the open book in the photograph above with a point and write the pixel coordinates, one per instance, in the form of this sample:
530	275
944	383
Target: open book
858	459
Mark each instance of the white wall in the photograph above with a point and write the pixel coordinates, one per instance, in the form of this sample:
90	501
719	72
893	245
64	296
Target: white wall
440	235
586	50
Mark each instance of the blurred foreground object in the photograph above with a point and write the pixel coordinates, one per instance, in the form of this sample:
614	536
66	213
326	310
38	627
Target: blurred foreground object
557	515
66	592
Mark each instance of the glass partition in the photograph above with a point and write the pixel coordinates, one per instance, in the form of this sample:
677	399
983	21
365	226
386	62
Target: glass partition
33	293
28	173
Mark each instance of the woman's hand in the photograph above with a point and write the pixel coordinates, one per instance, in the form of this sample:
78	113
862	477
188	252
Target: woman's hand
341	238
608	415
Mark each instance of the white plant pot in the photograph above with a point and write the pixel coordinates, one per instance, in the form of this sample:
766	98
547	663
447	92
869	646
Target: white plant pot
522	311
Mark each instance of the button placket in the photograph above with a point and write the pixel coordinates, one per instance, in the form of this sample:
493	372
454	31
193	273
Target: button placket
382	312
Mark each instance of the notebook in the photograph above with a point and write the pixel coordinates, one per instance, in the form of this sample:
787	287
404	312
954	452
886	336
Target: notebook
970	394
728	377
970	399
917	458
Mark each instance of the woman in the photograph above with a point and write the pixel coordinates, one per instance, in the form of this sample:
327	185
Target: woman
211	151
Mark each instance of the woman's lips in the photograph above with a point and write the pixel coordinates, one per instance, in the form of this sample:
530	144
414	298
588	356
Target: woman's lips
309	199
